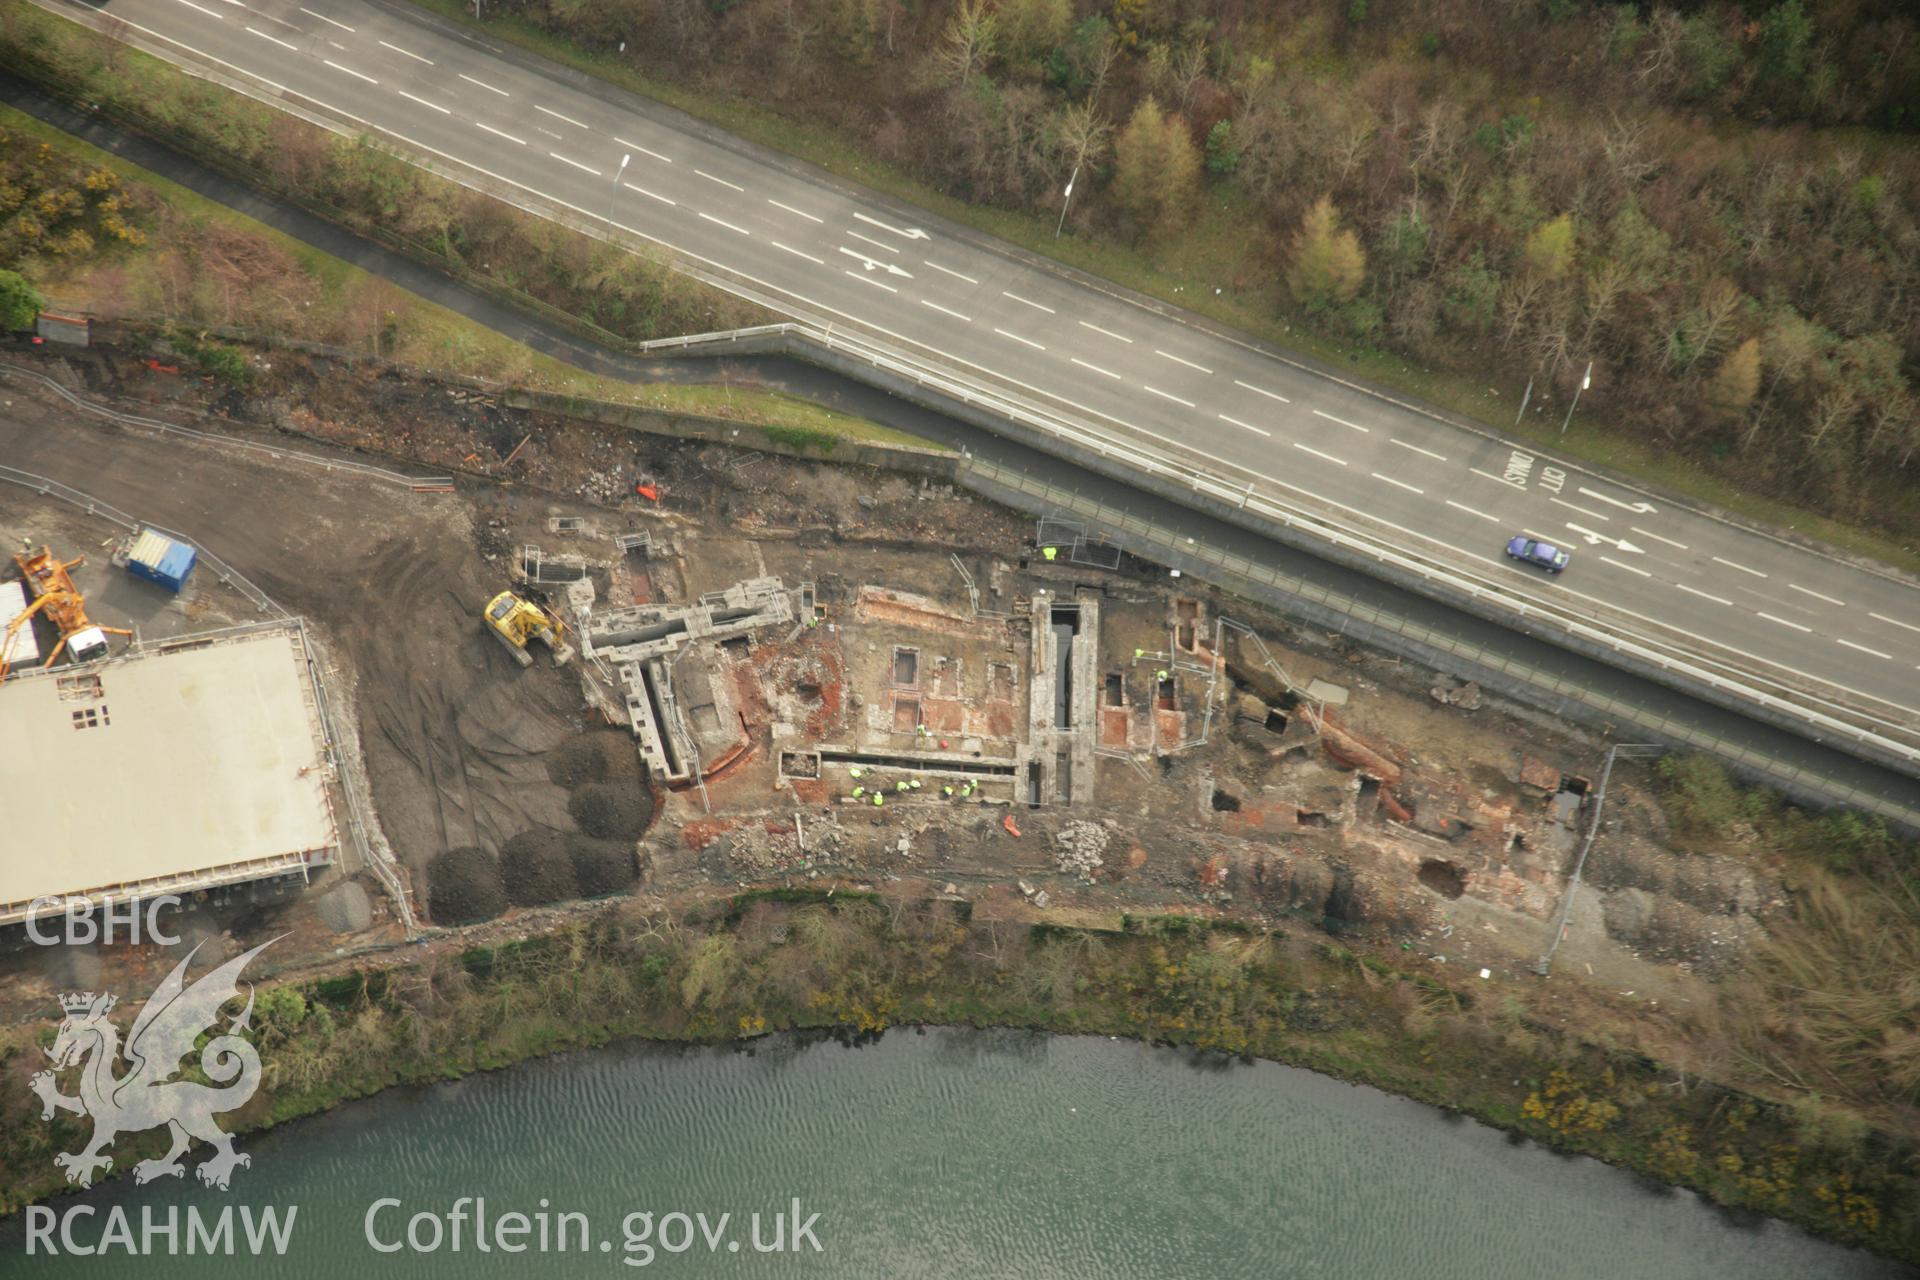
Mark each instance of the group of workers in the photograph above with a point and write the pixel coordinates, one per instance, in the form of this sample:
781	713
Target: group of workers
878	791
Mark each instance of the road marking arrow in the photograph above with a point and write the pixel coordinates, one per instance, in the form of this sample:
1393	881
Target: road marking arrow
873	264
911	233
1595	539
1643	508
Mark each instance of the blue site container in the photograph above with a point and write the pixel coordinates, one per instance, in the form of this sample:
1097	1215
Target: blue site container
158	558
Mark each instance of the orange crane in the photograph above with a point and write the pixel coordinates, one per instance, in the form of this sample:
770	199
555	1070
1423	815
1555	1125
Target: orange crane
50	583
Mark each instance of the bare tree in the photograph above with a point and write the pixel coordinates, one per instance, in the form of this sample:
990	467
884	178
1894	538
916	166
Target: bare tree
969	41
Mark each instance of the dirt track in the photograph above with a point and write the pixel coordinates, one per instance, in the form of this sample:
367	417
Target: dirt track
391	581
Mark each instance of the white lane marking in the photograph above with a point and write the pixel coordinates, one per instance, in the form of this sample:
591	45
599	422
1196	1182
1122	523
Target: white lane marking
1638	508
881	245
873	265
1110	333
1168	355
1488	475
397	49
1437	457
1248	425
1783	622
1470	511
576	164
950	271
336	66
1096	368
652	195
498	133
1742	568
1703	595
1629	568
1597	515
1316	453
1400	483
423	102
1895	621
1262	391
1862	648
550	133
946	311
818	262
1656	537
910	233
278	22
324	18
861	275
673	248
728	225
482	83
798	213
210	13
1794	586
722	181
1167	396
557	116
276	39
643	151
1036	306
1017	338
1342	421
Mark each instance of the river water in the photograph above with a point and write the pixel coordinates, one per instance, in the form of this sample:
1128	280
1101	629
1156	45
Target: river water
949	1153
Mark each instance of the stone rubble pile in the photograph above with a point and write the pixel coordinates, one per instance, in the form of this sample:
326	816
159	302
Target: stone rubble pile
1078	847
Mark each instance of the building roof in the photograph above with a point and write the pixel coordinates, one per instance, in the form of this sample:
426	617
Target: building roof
194	764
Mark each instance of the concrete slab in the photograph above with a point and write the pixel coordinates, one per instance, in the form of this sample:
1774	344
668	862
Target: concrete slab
164	771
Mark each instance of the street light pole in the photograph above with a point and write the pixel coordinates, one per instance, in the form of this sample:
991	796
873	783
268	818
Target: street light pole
1586	380
615	192
1066	200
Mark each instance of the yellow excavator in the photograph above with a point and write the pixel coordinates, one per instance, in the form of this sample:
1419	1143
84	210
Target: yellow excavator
516	623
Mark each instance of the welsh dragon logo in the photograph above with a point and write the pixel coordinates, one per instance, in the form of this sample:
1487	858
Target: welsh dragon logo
148	1095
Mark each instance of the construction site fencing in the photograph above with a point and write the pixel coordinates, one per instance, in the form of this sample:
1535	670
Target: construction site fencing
1810	703
353	784
1373	623
415	484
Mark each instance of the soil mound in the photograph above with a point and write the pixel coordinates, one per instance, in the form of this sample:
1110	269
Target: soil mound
612	810
463	887
601	867
535	868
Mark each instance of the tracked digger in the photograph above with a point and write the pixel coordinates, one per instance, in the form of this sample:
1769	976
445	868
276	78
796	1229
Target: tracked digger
518	623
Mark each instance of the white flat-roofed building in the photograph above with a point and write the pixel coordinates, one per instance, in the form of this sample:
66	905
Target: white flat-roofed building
186	765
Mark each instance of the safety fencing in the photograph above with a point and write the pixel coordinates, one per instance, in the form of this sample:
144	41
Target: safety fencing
1380	625
153	426
361	825
1814	705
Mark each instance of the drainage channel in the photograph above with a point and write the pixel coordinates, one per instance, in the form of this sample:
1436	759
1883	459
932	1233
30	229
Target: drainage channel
874	760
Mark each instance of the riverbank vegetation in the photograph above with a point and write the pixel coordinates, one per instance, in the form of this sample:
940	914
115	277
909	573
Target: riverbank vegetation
1807	1114
1713	203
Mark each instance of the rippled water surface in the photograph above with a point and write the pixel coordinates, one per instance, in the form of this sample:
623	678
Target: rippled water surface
956	1154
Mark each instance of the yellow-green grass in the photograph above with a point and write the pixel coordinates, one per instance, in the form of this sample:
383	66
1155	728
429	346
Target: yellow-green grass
425	334
1214	252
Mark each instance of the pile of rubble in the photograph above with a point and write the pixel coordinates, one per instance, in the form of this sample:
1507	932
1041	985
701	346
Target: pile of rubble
1078	847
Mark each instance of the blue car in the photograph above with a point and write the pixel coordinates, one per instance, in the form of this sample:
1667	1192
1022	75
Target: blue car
1535	552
